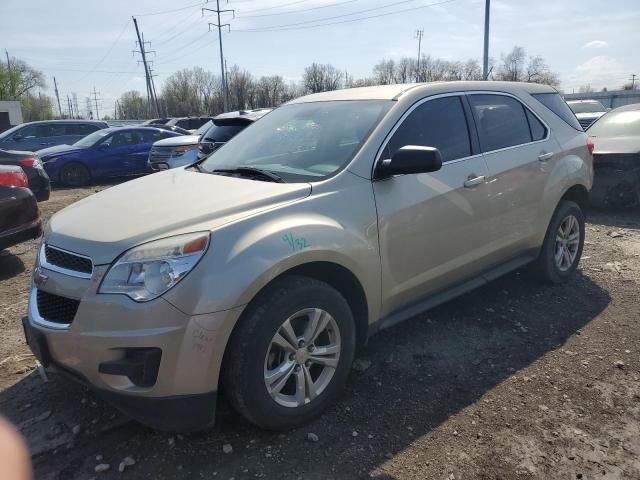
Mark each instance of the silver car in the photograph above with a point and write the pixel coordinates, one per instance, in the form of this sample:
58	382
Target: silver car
587	111
261	270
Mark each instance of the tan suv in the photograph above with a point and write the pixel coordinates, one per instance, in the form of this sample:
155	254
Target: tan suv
259	271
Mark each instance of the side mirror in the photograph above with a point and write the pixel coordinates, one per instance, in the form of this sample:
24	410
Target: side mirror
17	137
410	159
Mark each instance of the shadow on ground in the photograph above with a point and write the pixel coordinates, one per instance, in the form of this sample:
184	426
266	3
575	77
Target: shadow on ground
10	265
422	372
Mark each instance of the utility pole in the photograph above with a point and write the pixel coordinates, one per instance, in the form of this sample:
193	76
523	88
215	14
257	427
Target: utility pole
485	58
12	91
419	34
69	107
153	92
633	80
95	100
220	25
55	85
143	52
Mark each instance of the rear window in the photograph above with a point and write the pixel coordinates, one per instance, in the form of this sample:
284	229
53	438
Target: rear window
222	133
555	103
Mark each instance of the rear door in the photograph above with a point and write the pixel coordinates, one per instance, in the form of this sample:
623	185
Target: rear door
142	148
519	151
432	226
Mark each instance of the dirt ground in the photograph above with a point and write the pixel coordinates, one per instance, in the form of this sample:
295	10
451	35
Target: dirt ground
516	380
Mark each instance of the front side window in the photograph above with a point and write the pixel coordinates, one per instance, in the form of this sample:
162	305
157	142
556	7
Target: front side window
33	131
501	121
302	142
439	123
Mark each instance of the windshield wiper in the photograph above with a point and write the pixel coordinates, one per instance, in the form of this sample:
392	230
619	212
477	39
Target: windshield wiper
252	171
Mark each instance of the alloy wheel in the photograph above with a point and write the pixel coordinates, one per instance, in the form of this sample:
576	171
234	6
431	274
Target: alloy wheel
302	357
567	243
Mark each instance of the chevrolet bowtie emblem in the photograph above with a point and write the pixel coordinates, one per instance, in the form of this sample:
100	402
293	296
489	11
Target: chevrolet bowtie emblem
39	278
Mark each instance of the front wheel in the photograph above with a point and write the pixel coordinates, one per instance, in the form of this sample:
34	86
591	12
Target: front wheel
74	175
290	355
563	243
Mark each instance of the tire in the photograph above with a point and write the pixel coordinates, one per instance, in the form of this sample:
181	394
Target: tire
550	266
74	175
252	356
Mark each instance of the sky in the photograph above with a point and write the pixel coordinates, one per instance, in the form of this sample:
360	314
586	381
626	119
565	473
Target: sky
89	44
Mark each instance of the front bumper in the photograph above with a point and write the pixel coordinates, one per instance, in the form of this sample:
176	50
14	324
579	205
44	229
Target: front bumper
104	332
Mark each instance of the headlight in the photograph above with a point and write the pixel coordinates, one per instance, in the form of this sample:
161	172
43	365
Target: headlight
147	271
185	148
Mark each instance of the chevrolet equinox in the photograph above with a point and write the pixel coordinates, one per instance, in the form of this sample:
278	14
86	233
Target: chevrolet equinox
260	270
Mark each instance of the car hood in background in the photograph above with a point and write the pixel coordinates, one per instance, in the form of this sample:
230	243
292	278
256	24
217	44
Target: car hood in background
606	145
57	150
168	203
589	115
177	141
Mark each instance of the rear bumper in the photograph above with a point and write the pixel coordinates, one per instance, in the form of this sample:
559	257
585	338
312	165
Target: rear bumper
39	184
616	184
20	234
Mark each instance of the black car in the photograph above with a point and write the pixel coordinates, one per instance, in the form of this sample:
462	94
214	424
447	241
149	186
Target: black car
157	121
616	158
225	127
19	215
32	165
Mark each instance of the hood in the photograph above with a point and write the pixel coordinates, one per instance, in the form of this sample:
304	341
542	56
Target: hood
168	203
49	152
605	145
589	115
177	141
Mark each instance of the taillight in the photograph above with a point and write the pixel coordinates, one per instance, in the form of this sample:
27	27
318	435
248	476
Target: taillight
30	162
14	179
590	145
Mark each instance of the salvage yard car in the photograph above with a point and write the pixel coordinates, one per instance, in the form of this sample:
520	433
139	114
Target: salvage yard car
34	136
616	137
587	111
32	166
259	271
19	214
111	152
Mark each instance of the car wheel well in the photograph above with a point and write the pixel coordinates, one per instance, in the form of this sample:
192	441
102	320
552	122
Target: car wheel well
578	194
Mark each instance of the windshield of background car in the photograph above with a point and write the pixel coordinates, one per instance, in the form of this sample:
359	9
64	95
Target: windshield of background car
222	133
302	142
617	124
587	107
90	140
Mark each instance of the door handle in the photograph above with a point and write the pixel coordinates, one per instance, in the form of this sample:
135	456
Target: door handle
543	157
474	181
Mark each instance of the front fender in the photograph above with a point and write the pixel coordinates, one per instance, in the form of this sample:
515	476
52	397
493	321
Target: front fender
245	256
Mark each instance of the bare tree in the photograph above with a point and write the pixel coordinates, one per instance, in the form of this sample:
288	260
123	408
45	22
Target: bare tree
384	72
132	105
270	91
513	65
586	89
321	78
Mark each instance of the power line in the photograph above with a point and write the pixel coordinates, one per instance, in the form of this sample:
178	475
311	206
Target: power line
169	11
275	6
295	26
242	15
95	99
419	34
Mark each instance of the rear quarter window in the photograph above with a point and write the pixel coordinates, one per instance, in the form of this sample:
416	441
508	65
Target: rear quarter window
555	103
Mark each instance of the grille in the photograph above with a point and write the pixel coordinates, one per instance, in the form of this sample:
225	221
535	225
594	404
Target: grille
56	309
586	122
160	154
67	260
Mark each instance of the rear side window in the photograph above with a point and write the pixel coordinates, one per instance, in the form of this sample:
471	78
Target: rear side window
439	123
555	103
538	130
149	136
501	121
222	133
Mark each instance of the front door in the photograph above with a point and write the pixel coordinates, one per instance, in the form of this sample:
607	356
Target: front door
115	155
432	226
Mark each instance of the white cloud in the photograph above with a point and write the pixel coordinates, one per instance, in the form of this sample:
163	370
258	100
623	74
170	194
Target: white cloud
596	44
600	71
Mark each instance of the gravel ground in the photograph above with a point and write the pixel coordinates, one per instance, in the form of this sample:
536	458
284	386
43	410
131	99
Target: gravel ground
515	380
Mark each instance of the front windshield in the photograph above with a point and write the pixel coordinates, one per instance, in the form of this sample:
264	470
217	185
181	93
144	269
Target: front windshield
587	107
302	142
91	139
222	133
617	124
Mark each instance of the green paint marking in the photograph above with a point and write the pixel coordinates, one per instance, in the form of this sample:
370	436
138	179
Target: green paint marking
296	243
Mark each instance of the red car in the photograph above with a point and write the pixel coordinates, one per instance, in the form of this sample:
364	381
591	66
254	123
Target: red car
19	215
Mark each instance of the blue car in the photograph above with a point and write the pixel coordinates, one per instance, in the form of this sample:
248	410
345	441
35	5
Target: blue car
110	152
34	136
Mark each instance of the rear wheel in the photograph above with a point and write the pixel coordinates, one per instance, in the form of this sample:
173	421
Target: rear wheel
563	243
290	355
74	175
